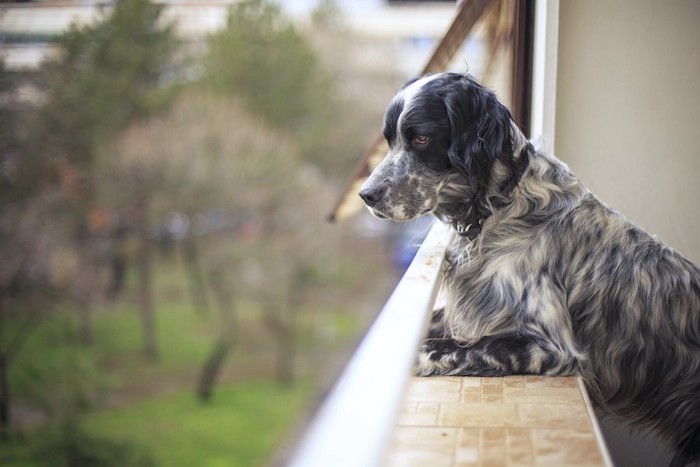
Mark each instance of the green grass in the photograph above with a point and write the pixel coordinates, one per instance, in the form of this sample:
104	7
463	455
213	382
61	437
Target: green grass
240	427
156	412
183	338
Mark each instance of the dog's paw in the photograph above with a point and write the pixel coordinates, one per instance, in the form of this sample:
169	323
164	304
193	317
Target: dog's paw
425	364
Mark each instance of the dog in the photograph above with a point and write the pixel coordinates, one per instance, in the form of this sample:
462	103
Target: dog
543	278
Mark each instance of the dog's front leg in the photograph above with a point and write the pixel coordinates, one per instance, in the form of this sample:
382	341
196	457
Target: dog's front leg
437	325
497	355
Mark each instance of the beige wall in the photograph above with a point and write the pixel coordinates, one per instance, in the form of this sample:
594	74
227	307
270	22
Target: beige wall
628	110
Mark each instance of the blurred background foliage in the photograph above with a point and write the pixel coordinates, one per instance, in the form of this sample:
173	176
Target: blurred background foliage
264	61
170	293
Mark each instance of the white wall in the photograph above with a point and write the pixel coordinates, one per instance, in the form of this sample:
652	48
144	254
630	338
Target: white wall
628	123
628	110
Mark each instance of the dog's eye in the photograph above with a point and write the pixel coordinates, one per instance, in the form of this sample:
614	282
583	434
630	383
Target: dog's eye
420	140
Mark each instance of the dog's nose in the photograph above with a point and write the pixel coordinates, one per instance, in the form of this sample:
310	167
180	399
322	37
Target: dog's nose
371	195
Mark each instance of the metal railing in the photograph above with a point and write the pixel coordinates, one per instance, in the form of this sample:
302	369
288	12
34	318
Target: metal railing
353	425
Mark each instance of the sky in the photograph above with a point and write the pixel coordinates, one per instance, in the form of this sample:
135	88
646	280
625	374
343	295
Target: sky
304	6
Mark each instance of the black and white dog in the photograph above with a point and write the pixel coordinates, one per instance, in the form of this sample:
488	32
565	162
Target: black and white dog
543	278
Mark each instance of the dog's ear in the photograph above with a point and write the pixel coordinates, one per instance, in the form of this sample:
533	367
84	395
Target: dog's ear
481	133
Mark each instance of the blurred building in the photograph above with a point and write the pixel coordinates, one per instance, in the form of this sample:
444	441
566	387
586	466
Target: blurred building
28	28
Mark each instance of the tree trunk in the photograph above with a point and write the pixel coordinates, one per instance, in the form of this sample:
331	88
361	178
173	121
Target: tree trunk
7	353
117	261
282	326
144	268
4	386
193	270
83	288
285	371
212	367
4	399
226	341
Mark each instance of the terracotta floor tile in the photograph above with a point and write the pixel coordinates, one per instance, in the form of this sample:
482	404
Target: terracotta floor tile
433	389
520	447
492	393
419	414
566	447
552	416
471	382
478	415
545	394
515	421
492	447
421	446
417	419
428	407
550	381
491	381
467	447
471	394
514	381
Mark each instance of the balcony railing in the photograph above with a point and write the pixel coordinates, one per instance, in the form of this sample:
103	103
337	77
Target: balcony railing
377	414
354	424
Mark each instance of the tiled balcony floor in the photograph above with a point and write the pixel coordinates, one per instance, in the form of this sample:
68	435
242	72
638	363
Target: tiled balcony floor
511	421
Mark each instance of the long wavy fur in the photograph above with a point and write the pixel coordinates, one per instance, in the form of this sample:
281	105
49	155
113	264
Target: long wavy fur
544	278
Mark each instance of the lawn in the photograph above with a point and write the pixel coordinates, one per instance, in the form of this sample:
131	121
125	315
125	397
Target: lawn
240	427
151	406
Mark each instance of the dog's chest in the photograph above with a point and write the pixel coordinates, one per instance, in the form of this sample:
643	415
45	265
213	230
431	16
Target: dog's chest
485	275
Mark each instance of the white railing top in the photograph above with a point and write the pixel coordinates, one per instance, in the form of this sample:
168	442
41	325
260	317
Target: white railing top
353	425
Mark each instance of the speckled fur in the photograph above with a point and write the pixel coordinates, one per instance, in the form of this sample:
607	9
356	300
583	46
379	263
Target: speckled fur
544	278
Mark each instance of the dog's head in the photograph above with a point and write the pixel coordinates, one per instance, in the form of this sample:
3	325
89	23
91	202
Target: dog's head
444	131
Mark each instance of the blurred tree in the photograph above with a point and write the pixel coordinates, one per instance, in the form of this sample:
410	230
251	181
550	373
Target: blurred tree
108	75
220	171
261	58
9	137
14	252
31	242
327	15
64	385
244	198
